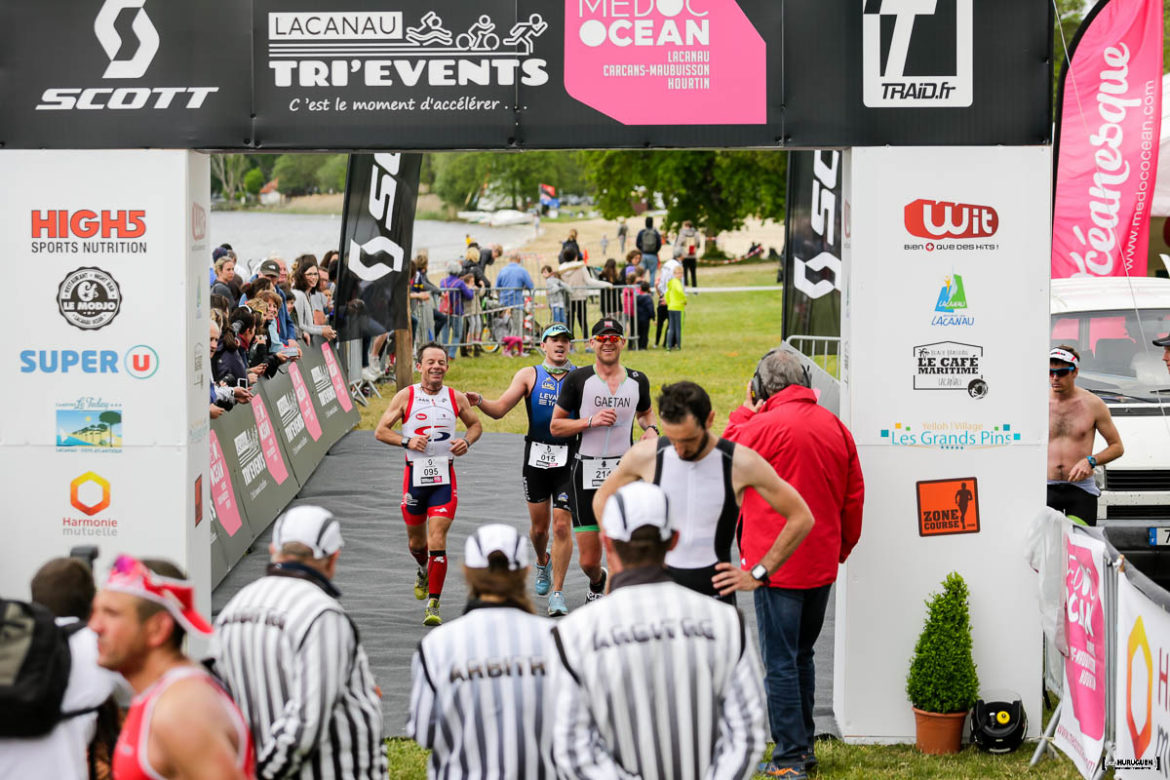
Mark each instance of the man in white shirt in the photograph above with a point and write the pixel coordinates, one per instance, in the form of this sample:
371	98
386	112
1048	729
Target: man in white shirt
65	587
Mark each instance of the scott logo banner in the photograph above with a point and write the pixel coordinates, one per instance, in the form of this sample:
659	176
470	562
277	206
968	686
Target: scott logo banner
513	74
812	255
1107	142
376	232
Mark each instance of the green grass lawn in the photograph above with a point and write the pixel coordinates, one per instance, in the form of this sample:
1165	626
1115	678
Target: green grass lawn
839	761
724	336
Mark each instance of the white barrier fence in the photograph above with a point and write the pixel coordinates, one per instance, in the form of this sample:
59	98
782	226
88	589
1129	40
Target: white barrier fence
1111	627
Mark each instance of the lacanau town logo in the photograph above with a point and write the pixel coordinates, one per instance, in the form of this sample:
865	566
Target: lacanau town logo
917	53
133	66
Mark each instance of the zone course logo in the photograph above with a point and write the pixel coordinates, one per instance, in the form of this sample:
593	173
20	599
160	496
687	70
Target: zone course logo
938	219
917	53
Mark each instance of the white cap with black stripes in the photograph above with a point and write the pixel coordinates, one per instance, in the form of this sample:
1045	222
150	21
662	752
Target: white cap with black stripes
633	506
313	526
496	537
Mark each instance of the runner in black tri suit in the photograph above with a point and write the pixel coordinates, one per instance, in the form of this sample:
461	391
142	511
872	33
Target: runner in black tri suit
546	471
704	477
599	404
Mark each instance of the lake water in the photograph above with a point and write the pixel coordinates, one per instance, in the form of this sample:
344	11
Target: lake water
255	235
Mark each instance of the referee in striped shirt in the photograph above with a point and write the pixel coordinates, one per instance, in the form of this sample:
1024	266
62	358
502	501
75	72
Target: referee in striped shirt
654	681
292	659
480	699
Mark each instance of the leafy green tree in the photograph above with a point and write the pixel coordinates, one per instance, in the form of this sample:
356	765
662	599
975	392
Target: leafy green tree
717	190
228	170
1069	15
331	175
461	178
254	181
297	172
110	419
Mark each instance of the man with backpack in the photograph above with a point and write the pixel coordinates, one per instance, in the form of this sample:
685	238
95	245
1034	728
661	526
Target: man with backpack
649	243
49	713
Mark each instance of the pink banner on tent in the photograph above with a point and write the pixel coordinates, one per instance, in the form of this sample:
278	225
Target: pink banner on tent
1107	158
226	508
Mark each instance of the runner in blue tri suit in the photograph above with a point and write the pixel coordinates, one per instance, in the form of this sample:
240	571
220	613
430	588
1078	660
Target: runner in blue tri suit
547	461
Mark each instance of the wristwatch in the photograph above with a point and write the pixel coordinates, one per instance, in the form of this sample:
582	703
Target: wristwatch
1092	461
405	443
760	573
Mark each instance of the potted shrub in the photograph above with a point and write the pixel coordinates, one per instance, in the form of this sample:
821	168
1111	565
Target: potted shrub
942	684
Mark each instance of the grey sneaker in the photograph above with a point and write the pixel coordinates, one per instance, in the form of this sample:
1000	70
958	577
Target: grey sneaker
556	604
431	614
597	591
543	578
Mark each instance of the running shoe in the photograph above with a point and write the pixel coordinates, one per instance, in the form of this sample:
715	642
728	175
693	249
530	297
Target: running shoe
556	604
543	578
431	614
595	592
771	769
420	584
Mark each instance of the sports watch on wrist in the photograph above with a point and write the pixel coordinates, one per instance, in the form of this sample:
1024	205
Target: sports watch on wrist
1092	461
759	573
405	443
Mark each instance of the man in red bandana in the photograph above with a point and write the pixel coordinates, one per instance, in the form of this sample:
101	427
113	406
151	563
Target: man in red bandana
181	722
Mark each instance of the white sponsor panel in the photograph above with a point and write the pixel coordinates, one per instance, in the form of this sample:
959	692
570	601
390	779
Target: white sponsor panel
109	359
929	397
1080	733
1142	704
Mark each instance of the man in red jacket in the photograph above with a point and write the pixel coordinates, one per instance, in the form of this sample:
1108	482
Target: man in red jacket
813	451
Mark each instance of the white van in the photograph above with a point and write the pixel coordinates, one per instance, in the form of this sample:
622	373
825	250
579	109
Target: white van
1111	322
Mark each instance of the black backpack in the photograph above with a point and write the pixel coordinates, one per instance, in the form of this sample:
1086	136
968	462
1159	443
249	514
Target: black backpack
34	669
648	241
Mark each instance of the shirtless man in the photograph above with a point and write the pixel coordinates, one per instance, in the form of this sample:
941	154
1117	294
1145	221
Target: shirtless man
428	411
1074	416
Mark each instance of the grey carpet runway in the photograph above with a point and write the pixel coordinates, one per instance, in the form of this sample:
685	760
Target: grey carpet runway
360	481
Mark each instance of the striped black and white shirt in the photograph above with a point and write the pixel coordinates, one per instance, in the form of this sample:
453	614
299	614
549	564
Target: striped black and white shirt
658	682
480	698
293	661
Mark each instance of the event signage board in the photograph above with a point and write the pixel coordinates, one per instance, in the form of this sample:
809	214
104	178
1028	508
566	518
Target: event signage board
307	74
106	448
934	403
260	492
291	426
1080	733
335	409
814	235
1142	705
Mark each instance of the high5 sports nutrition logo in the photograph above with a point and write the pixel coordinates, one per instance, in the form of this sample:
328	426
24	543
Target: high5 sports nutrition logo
127	59
917	53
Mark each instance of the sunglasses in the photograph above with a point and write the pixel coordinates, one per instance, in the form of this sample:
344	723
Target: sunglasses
609	339
1061	371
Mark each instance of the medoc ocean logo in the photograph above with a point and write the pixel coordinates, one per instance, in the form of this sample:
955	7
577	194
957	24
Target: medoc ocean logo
666	62
917	53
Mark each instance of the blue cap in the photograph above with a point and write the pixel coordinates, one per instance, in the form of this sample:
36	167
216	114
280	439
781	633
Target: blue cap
556	329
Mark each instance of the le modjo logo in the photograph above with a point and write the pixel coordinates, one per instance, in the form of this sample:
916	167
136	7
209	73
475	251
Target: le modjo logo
917	53
140	361
941	219
134	66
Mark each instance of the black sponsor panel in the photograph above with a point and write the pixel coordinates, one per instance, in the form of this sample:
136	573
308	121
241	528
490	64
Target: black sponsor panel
305	74
377	227
263	480
233	541
123	73
888	75
334	418
812	247
295	432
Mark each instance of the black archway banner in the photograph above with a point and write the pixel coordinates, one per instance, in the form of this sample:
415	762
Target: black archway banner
814	238
500	74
